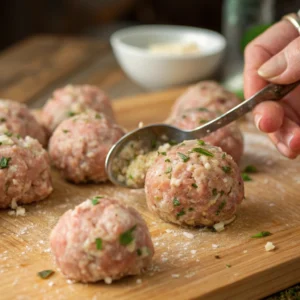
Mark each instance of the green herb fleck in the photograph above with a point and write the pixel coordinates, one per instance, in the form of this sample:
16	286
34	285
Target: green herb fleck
4	162
167	160
172	142
95	200
220	208
66	131
202	109
261	234
98	116
169	170
162	153
176	202
250	169
153	144
201	142
183	157
226	169
246	177
203	121
181	213
45	274
8	133
98	242
130	177
215	192
71	113
139	252
2	120
194	185
18	136
127	237
228	266
203	151
222	193
224	155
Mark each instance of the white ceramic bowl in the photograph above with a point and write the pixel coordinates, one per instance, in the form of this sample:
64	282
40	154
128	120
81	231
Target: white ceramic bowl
156	71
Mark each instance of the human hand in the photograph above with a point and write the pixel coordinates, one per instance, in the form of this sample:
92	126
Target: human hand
274	56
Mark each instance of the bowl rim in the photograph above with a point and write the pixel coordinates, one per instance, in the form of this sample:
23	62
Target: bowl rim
116	42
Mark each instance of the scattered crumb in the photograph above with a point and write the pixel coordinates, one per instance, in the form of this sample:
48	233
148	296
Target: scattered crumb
69	281
139	281
16	210
269	246
215	246
164	259
141	124
169	230
272	204
20	211
108	280
188	235
245	251
51	283
189	275
219	226
193	251
175	275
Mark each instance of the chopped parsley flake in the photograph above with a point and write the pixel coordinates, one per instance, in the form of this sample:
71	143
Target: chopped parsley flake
169	170
201	142
183	157
224	155
4	162
98	116
130	177
2	120
250	169
222	193
172	142
71	113
203	151
139	252
181	213
153	144
95	200
228	266
194	185
167	160
8	133
176	202
162	153
98	242
246	177
45	274
203	121
126	237
202	109
220	208
215	192
226	169
261	234
66	131
18	136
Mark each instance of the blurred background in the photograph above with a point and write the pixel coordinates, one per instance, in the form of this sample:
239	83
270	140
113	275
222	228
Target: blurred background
22	18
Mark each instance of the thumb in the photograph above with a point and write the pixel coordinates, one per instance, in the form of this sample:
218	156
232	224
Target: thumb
284	67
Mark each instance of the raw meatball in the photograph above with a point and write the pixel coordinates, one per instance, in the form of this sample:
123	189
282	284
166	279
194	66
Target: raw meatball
72	100
207	94
16	118
101	240
229	138
24	171
79	145
194	184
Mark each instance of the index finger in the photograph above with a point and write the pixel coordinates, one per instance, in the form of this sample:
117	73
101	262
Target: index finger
262	49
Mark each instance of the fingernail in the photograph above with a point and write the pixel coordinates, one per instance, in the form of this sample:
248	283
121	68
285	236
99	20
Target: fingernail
257	119
273	67
289	139
282	148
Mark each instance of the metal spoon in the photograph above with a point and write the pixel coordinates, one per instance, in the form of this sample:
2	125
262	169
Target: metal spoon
149	136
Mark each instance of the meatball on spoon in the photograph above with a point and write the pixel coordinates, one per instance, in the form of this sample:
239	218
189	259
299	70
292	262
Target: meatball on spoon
149	137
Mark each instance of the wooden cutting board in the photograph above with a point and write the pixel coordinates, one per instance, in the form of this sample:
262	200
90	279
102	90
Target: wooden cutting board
185	266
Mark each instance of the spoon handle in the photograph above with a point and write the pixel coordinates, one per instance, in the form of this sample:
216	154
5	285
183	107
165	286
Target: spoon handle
272	92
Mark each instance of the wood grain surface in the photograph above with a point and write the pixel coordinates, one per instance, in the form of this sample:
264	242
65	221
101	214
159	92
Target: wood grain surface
183	267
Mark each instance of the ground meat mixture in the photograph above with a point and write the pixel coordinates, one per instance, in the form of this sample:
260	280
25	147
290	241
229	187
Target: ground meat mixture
24	171
194	184
101	240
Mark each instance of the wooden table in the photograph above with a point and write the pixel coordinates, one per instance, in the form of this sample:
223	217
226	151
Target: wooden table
32	69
